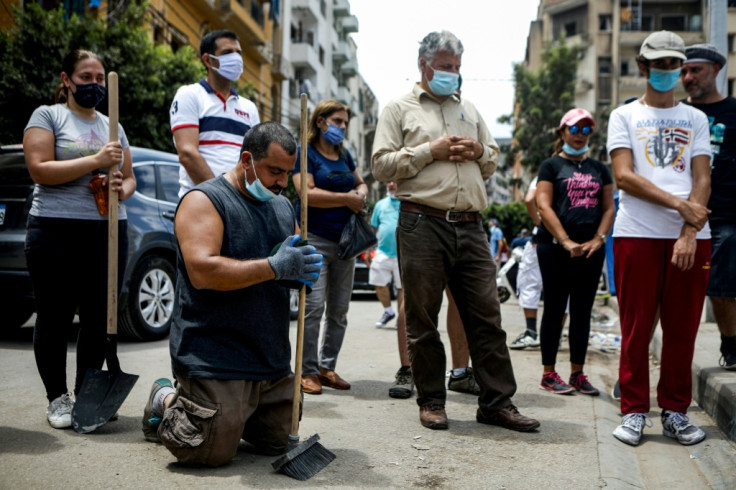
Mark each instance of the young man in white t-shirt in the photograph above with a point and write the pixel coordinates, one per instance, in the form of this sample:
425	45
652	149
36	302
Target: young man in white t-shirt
660	150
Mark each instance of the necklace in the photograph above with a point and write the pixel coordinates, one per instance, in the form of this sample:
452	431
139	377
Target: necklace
643	100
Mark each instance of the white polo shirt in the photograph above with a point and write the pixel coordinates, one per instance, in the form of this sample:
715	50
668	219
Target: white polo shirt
221	123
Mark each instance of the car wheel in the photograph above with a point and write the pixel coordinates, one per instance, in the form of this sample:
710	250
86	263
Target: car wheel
503	294
293	304
148	311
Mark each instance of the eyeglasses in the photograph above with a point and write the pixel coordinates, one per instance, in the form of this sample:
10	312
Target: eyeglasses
584	129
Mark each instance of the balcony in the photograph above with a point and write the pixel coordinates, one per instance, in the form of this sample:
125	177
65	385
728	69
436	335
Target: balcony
239	20
341	8
636	38
306	10
344	96
341	53
349	68
303	55
349	24
281	68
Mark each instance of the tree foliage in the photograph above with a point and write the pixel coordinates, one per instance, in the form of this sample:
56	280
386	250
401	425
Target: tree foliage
542	96
149	75
512	217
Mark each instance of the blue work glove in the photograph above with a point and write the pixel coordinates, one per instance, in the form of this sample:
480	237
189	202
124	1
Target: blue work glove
296	263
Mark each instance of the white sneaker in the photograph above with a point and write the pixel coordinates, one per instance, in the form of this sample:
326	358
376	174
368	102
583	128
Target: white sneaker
632	427
59	412
677	426
523	341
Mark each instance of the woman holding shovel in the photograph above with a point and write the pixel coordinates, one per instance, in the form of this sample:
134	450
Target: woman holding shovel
67	152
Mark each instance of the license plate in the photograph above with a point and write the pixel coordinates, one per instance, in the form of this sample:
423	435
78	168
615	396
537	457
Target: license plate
2	214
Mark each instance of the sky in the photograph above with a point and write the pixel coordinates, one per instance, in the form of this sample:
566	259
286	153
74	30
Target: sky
493	33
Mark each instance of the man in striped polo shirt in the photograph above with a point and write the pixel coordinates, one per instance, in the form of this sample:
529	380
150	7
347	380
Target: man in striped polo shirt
208	118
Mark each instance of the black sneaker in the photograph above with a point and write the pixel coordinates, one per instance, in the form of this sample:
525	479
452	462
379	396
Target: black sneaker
616	391
404	384
465	383
385	318
580	382
728	362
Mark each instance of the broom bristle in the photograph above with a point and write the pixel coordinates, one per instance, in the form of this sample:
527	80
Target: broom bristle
304	461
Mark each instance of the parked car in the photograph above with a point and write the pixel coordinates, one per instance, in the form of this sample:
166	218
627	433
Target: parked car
147	296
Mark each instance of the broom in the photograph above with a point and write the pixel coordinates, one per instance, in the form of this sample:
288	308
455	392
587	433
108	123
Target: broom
303	460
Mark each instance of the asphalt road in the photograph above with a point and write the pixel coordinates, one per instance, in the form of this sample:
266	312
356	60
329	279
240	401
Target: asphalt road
378	440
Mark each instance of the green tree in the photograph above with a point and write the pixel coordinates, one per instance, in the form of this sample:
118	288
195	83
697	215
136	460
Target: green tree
512	217
149	75
543	96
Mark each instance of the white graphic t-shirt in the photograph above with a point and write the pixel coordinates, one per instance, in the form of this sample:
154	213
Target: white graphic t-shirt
663	143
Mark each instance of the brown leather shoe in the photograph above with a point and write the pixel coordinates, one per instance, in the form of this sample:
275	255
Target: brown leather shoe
311	384
508	417
433	417
332	379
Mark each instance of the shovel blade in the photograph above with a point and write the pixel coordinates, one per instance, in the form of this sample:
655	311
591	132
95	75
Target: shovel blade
101	396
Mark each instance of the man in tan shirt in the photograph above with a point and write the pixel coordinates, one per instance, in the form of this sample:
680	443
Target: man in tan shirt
439	151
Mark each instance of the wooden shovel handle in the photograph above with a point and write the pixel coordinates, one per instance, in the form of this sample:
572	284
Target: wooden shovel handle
112	215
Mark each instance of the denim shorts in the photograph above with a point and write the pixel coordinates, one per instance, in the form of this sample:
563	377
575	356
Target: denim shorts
722	283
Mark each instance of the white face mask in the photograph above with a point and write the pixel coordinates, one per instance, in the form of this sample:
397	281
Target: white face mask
231	65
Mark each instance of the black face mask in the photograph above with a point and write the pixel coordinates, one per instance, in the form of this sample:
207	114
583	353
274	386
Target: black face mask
89	95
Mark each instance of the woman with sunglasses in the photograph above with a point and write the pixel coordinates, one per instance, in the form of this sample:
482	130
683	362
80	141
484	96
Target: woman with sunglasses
575	199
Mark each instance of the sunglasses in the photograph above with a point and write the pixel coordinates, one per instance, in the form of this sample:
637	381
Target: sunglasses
584	129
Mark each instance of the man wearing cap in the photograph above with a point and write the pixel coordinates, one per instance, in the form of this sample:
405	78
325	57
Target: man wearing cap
438	150
699	73
660	152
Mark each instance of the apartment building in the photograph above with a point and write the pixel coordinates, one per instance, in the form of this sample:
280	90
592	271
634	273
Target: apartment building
323	56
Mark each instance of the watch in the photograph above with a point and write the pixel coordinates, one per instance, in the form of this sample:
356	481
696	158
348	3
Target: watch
602	237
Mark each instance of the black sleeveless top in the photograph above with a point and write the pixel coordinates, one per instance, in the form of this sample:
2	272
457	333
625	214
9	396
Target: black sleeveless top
241	334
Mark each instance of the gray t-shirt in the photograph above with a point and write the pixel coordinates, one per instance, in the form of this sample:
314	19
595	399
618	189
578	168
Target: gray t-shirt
74	138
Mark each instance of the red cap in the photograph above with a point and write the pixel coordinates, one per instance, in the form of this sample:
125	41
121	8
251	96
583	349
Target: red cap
574	116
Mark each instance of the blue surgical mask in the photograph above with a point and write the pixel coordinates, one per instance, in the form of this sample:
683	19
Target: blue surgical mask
257	189
443	82
572	151
333	135
663	80
231	65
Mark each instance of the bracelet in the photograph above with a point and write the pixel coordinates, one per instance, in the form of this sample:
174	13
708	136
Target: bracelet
603	237
561	240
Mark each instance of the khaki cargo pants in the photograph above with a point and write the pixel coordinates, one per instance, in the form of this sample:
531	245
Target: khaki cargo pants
208	417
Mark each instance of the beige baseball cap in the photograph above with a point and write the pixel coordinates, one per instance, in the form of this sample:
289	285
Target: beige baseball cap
663	44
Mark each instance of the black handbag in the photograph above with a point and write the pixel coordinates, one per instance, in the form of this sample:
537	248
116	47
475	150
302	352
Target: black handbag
357	237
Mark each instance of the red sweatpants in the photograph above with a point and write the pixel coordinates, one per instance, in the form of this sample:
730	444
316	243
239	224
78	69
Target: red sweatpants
647	283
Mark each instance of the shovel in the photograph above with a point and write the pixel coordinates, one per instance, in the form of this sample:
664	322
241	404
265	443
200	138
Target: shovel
103	392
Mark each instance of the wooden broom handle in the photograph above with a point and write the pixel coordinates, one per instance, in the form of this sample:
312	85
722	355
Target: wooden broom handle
112	216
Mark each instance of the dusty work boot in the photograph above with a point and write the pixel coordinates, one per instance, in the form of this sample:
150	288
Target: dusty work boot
508	417
404	384
433	416
465	383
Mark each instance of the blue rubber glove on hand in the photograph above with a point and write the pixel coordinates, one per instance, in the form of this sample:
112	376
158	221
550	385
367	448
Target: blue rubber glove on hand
296	263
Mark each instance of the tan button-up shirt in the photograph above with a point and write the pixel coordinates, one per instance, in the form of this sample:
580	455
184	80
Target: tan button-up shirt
401	151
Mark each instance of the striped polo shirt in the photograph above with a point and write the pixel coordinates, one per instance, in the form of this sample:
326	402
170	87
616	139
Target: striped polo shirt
221	123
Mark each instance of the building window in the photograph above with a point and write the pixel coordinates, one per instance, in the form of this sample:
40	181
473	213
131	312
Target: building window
730	87
730	43
321	55
256	11
605	23
604	79
571	28
323	8
624	68
674	22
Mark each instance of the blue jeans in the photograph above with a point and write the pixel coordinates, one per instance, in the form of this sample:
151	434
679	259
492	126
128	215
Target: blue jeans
330	296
